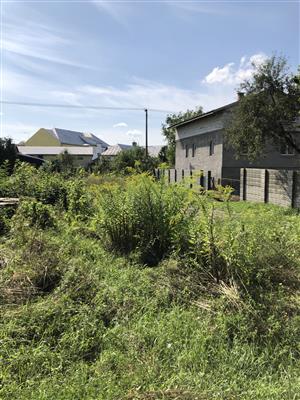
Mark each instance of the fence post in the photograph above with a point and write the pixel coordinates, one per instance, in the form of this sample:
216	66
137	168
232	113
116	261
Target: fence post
182	174
266	190
191	176
175	175
202	179
169	175
208	180
244	184
294	189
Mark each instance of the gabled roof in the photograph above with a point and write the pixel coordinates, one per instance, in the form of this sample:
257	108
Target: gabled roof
116	149
76	138
153	151
207	114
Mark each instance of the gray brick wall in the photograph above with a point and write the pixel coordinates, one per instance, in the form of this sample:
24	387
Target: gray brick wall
202	160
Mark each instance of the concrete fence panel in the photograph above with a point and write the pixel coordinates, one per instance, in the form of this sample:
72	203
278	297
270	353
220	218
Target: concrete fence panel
280	187
296	190
172	175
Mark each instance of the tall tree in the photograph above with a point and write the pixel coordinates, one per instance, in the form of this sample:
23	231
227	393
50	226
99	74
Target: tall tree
169	132
268	110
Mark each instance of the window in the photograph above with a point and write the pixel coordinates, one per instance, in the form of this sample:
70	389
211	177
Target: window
211	148
244	150
193	150
286	150
186	150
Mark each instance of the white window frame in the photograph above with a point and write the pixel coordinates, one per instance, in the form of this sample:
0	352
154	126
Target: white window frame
288	150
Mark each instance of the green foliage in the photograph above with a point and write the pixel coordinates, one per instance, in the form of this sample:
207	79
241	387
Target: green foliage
169	132
148	217
133	159
103	165
6	213
268	110
8	153
129	161
35	214
31	264
218	318
65	193
64	163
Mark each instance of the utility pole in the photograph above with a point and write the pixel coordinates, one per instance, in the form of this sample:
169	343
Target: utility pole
146	132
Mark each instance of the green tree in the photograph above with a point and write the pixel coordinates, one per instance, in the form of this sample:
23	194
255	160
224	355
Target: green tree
267	111
66	161
63	163
169	132
8	153
134	158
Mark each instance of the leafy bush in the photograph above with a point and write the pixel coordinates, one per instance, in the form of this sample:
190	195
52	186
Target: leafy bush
35	214
148	217
66	193
6	213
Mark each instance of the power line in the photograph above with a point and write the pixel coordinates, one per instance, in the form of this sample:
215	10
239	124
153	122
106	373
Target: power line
87	107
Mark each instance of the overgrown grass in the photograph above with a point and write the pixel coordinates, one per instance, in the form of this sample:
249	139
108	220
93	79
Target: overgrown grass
145	291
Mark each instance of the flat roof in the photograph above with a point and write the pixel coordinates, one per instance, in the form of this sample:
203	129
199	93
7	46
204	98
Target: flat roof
55	150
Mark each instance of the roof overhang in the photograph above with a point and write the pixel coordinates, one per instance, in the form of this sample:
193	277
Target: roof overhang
205	115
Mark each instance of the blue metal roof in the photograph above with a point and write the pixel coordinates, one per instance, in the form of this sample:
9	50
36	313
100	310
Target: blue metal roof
76	138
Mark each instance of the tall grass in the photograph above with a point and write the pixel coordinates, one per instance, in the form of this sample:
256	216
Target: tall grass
151	218
206	305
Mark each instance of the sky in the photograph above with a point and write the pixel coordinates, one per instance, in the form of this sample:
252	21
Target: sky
164	55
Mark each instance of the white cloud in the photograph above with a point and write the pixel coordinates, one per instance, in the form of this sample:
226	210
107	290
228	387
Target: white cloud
142	94
193	7
231	74
116	10
120	125
134	134
37	43
139	94
218	74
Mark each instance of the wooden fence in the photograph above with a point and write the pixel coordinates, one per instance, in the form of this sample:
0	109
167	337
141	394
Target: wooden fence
281	187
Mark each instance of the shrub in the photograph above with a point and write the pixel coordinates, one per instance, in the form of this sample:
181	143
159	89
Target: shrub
33	266
35	214
147	216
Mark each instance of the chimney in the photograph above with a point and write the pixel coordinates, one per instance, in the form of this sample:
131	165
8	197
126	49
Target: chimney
240	95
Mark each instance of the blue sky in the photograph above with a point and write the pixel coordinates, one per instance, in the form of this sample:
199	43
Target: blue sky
168	55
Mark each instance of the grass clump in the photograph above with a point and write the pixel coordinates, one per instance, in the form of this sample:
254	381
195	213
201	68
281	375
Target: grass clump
147	217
